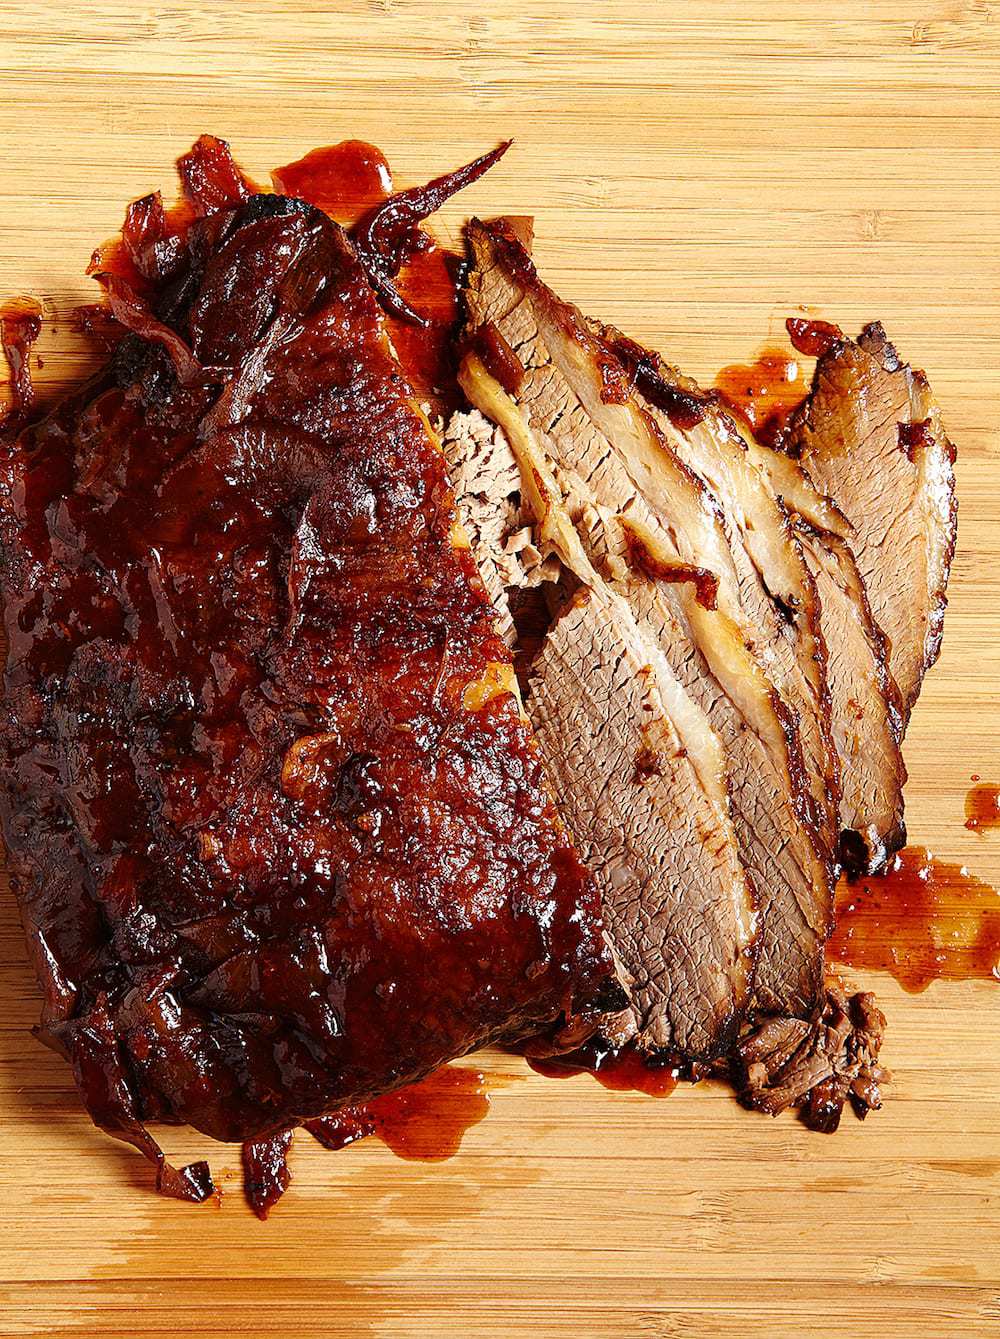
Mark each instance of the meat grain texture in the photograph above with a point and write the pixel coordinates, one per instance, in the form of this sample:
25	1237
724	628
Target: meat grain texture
764	587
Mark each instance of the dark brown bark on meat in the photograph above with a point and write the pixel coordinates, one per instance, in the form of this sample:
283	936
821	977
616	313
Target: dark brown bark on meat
276	824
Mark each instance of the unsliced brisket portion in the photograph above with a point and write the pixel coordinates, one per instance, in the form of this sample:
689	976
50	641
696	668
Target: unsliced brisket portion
870	435
278	829
637	770
649	523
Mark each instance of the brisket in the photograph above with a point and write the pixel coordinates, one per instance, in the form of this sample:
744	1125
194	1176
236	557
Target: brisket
276	823
645	520
870	435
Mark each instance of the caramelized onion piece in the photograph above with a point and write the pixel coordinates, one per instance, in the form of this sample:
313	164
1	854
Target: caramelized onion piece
135	314
20	326
210	177
385	236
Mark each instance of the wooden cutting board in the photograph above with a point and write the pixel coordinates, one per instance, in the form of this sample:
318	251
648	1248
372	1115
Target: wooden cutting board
697	171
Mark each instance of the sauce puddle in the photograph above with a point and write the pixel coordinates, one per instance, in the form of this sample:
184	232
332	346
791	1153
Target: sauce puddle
765	392
622	1070
982	808
424	1121
922	921
344	180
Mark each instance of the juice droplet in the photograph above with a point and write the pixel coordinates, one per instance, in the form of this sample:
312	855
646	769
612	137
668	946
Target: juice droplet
982	808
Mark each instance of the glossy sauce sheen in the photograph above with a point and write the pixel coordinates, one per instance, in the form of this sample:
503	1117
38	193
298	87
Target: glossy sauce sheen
812	338
623	1070
289	863
344	180
425	1121
982	808
765	392
922	921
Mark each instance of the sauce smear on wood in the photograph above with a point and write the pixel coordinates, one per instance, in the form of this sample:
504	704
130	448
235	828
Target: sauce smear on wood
922	921
425	1121
765	392
982	808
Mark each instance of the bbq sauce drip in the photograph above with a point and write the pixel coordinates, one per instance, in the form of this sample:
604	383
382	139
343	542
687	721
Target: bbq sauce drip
424	1122
622	1069
982	808
765	392
430	281
922	921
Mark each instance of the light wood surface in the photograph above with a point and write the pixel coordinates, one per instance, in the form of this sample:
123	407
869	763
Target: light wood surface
697	171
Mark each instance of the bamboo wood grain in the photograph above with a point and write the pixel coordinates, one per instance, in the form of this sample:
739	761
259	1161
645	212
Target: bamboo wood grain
697	171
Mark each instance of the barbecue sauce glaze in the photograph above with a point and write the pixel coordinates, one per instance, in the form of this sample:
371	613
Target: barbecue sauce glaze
347	181
176	563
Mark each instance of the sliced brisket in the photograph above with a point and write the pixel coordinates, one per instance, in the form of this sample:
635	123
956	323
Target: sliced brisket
870	436
800	577
865	713
646	519
638	772
776	586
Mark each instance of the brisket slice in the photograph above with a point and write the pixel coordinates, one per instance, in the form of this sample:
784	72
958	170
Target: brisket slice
803	583
637	770
867	723
276	824
647	521
777	588
870	436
